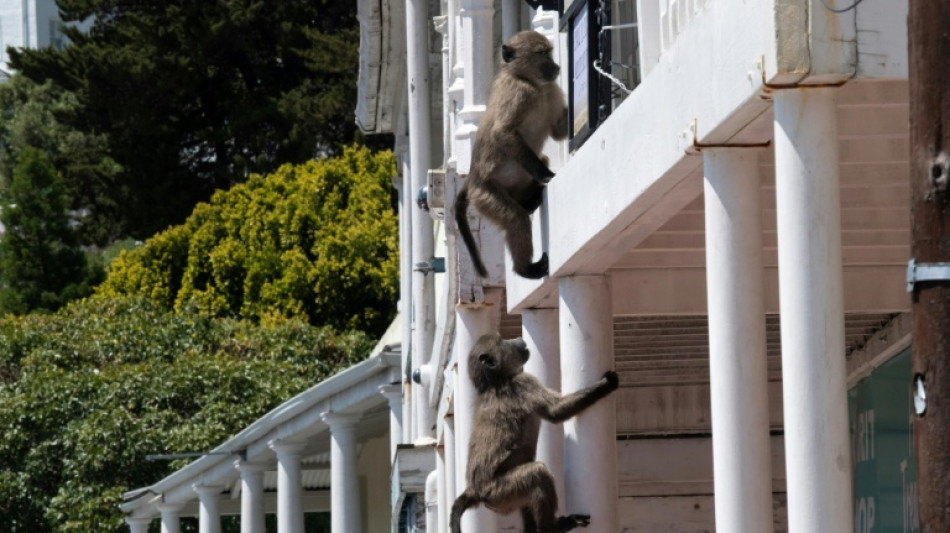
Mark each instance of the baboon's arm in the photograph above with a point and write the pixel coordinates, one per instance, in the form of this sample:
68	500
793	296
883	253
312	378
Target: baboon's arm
559	408
518	150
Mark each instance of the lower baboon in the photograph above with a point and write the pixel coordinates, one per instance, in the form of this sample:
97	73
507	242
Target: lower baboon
502	472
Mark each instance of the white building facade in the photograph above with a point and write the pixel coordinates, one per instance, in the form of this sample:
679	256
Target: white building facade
728	229
28	24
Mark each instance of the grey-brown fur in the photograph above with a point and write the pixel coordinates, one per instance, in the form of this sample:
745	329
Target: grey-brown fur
502	472
507	175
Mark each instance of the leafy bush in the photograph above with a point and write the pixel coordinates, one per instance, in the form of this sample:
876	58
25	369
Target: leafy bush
316	241
87	392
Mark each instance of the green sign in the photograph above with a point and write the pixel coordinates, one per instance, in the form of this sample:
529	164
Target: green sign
882	450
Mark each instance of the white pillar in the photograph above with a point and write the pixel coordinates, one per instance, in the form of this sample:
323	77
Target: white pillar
476	53
209	512
540	332
344	479
590	449
817	452
138	525
252	496
738	372
393	394
472	323
289	486
423	239
171	516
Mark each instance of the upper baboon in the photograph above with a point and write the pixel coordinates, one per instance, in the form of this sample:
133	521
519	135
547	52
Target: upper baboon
507	176
501	470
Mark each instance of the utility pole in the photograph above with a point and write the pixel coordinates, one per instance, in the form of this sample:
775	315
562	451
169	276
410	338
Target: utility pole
929	54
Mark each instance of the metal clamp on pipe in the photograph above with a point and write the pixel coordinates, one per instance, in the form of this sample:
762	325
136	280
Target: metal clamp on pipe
921	272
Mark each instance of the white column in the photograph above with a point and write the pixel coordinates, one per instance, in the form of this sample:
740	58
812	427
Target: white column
209	512
344	479
472	323
817	452
252	496
393	394
476	51
171	516
451	467
289	486
540	332
423	239
138	525
737	358
590	448
510	18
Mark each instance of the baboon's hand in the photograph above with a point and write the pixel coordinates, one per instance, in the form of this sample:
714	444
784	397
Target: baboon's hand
612	379
567	523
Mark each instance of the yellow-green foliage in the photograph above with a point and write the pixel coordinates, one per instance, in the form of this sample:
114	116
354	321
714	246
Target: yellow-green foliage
316	241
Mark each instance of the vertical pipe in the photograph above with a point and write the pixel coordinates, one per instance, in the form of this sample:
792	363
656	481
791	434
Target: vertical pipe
439	503
472	322
510	18
289	486
405	289
817	451
431	497
540	331
344	478
590	445
451	466
737	357
423	240
252	496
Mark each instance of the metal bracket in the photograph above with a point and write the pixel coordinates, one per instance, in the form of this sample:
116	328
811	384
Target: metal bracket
696	147
918	272
434	264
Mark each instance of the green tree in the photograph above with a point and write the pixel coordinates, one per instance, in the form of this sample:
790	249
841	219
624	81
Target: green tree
316	241
41	263
38	115
195	96
86	393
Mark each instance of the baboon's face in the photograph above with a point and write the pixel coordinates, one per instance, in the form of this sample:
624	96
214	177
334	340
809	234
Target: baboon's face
528	55
494	359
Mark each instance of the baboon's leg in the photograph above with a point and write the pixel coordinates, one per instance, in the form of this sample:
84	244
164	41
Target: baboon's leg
527	517
529	485
533	197
518	239
497	205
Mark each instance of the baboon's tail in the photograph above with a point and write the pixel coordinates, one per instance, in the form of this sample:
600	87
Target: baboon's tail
461	220
463	502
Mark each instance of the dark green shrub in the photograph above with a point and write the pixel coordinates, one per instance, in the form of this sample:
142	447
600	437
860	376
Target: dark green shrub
87	392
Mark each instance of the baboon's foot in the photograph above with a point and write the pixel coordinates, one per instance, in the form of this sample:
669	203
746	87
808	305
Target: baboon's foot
536	270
